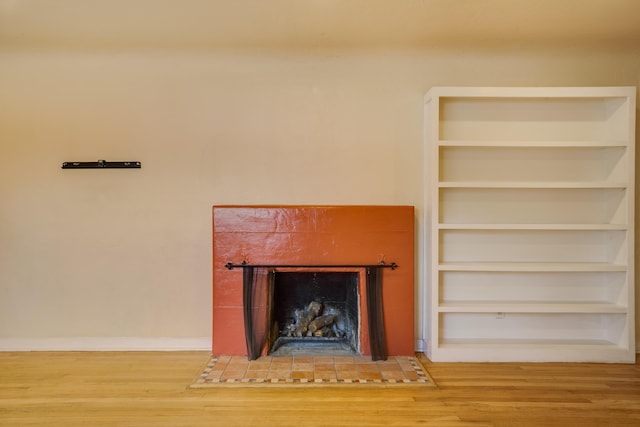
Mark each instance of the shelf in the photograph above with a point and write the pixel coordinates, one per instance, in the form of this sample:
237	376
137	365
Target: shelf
600	206
460	350
532	92
528	343
534	118
531	223
569	227
533	165
531	266
532	144
534	246
530	307
530	184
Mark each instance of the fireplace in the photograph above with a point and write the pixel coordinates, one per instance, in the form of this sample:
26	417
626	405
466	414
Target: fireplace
273	264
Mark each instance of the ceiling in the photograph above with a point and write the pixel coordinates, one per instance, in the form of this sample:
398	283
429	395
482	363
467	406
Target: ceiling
312	24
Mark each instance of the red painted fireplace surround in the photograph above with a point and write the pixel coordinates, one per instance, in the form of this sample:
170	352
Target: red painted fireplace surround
313	235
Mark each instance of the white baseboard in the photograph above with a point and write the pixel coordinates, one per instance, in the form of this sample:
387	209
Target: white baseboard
105	344
127	344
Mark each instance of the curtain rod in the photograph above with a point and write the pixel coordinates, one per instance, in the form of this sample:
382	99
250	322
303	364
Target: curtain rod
244	264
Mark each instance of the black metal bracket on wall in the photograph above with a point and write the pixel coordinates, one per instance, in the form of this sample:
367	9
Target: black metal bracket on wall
102	164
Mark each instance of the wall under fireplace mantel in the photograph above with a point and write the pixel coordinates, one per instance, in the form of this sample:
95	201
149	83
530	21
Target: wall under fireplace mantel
313	235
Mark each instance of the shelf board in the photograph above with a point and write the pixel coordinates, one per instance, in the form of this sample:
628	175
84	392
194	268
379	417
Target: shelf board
537	226
530	350
532	144
532	266
530	307
524	342
531	343
530	184
527	93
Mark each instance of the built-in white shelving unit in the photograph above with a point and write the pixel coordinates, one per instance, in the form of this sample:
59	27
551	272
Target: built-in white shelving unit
530	223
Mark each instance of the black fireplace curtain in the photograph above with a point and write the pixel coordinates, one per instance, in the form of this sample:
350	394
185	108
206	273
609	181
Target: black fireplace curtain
257	293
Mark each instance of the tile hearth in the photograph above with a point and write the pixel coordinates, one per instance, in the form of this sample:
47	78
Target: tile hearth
311	370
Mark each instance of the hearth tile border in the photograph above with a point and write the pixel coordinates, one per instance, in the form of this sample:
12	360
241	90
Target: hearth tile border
226	370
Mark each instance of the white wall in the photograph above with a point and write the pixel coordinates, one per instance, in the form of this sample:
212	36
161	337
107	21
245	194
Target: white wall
115	258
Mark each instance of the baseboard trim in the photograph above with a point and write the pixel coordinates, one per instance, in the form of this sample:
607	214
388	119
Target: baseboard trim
105	344
127	344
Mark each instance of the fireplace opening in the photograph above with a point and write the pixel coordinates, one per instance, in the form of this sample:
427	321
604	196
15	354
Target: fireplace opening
339	293
315	312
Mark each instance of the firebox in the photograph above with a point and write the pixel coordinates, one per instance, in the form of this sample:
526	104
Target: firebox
315	312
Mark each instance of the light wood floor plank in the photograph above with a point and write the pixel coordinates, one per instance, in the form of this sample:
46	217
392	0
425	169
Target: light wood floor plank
151	389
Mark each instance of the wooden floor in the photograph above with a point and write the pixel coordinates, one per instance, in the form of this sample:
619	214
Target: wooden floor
151	389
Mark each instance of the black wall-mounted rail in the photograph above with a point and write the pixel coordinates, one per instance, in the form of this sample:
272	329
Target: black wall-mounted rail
231	266
102	164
